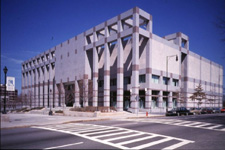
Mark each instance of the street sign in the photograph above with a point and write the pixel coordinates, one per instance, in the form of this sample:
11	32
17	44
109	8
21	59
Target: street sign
10	84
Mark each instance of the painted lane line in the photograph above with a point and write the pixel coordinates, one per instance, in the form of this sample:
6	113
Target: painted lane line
177	145
92	129
105	135
191	124
113	130
122	124
64	145
202	125
87	137
216	126
181	123
123	137
136	140
81	129
151	143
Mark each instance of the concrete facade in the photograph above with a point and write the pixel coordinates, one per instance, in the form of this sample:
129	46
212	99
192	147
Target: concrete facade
118	62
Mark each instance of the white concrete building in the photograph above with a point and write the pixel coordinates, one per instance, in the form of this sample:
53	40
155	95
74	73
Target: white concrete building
118	62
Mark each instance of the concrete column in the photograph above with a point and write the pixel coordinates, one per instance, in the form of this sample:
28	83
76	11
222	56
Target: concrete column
26	87
77	94
160	100
148	97
37	88
30	89
170	100
120	74
135	64
50	86
95	72
34	88
95	77
42	87
46	74
106	76
85	91
62	95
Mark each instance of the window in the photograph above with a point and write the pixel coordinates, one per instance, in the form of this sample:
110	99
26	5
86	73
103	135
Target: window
38	60
155	79
53	54
47	56
175	82
142	78
113	82
100	83
127	80
43	58
165	80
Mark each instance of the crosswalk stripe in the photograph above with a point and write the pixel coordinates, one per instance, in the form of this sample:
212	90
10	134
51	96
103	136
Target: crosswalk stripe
192	124
216	126
111	134
92	129
124	133
176	145
123	137
151	143
102	132
202	125
136	140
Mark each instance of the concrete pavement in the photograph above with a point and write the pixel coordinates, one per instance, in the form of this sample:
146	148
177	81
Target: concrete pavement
13	120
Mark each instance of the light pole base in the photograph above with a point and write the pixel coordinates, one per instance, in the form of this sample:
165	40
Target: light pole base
4	112
50	113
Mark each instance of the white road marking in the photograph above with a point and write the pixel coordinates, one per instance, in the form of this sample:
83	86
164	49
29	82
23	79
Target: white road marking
202	125
151	143
102	132
123	137
92	129
176	145
123	124
64	145
136	140
119	135
216	126
192	124
105	135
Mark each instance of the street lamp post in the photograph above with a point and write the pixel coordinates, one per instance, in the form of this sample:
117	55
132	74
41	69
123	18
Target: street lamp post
5	71
167	59
50	112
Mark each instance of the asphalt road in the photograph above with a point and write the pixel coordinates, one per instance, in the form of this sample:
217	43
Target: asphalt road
183	132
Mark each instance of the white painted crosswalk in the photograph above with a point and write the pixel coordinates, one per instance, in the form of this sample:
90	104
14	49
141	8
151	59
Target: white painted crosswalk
193	124
118	137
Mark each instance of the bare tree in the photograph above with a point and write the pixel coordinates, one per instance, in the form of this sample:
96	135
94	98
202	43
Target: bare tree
180	96
198	95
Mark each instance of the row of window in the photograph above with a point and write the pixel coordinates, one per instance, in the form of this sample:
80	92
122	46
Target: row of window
142	79
39	60
126	23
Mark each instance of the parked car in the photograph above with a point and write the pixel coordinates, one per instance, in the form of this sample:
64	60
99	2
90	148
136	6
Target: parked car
203	110
178	111
209	110
216	110
195	111
222	110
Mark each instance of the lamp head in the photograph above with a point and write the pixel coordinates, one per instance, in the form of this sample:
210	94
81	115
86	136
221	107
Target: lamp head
5	70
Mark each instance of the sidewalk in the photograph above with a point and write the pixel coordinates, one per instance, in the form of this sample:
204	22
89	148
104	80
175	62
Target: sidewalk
12	120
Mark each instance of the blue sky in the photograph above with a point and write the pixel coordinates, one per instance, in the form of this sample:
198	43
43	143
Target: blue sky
27	26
